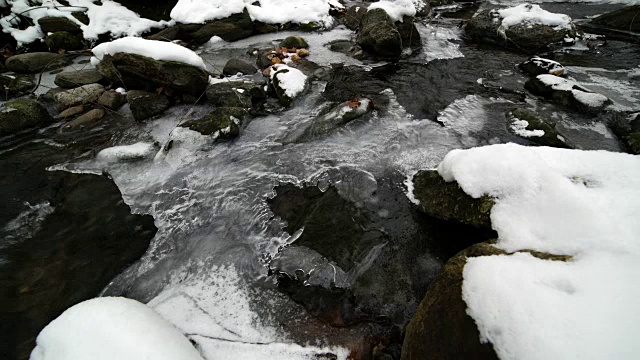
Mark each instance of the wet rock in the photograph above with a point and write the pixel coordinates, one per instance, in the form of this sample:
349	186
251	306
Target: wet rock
233	28
235	66
241	94
71	112
353	16
169	34
538	66
50	24
623	19
567	93
87	120
79	96
448	201
283	97
151	9
409	33
63	40
341	46
530	125
74	79
352	82
310	27
486	27
112	99
297	42
22	114
145	105
143	73
223	123
379	35
36	62
12	86
331	119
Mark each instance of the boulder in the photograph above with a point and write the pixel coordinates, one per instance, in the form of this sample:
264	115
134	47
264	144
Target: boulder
297	42
145	105
12	86
353	16
143	73
22	114
235	66
112	99
50	24
63	40
233	28
85	121
567	93
36	62
538	66
379	35
627	129
236	94
409	33
626	19
151	9
223	123
447	201
79	96
531	126
74	79
487	27
284	97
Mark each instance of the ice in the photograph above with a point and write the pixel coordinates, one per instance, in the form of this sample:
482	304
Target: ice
533	15
111	328
293	81
564	202
580	93
396	9
158	50
137	151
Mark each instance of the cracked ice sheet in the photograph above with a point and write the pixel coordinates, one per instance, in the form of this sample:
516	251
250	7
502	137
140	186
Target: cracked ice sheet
215	311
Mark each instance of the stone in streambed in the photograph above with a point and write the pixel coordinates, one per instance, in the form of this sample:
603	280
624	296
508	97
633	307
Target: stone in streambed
13	86
223	123
36	62
533	127
379	35
538	66
74	79
145	105
79	96
235	66
63	40
297	42
87	120
22	114
567	93
112	99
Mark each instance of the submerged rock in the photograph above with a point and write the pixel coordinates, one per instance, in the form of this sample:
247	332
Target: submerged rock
567	93
36	62
447	201
22	114
145	105
379	35
79	96
13	86
74	79
223	123
528	124
538	66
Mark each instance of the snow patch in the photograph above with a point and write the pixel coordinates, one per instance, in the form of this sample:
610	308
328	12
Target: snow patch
520	128
529	15
395	8
292	81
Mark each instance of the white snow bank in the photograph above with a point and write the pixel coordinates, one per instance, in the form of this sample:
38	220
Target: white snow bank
111	328
159	50
585	97
533	14
395	8
292	81
267	11
567	202
132	152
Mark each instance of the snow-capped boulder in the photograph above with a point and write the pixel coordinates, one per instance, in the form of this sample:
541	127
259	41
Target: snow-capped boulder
223	123
568	93
145	105
379	35
288	83
524	27
627	129
22	114
36	62
538	66
531	126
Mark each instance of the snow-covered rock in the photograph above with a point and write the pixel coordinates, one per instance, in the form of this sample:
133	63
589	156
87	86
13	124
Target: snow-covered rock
538	129
157	50
397	9
568	93
111	328
538	66
288	82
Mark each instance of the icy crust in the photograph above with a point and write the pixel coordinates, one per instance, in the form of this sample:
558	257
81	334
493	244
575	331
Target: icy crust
137	151
528	14
111	328
565	202
585	97
395	8
158	50
267	11
292	81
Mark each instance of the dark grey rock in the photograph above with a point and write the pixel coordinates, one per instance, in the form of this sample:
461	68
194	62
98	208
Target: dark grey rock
145	105
112	99
567	93
235	66
85	121
353	16
78	96
297	42
74	79
236	94
22	114
63	40
538	66
32	63
379	35
12	86
535	122
223	123
50	24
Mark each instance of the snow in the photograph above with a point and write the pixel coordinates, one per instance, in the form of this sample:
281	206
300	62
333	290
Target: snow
158	50
581	94
533	14
268	11
292	82
395	8
137	151
111	328
552	67
520	128
565	202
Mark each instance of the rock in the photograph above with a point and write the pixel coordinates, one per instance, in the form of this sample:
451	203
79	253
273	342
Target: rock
528	124
74	79
63	40
169	34
281	92
623	19
627	129
84	121
50	24
79	96
143	73
12	86
223	123
234	28
297	42
448	201
22	114
567	93
538	66
71	112
112	99
310	27
331	120
32	63
236	94
353	16
81	16
151	9
146	104
235	66
486	27
341	46
409	33
379	35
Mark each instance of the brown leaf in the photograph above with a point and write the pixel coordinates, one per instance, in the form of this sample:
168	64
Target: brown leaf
160	90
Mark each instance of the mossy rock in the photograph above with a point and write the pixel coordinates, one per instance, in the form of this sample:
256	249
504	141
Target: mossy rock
223	123
297	42
63	40
447	201
22	114
12	86
310	27
534	121
378	34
